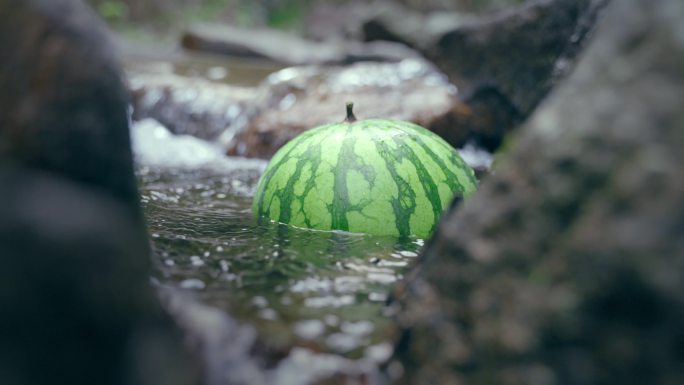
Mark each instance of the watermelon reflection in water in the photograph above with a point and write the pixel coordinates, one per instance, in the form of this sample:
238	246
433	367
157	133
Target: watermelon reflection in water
376	176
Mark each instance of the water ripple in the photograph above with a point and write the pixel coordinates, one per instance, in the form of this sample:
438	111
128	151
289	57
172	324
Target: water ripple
312	296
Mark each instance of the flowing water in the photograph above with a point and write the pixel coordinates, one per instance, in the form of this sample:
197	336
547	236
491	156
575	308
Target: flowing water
314	300
317	292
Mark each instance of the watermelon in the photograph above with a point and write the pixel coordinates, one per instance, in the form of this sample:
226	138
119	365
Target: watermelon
376	176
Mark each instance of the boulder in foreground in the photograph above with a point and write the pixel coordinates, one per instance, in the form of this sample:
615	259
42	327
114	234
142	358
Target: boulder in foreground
567	267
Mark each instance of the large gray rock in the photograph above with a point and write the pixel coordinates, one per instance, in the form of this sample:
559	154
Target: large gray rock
57	97
74	289
567	267
77	305
504	63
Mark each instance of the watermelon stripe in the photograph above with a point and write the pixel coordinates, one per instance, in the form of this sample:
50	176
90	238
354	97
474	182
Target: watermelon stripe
273	169
357	163
310	184
453	180
286	194
457	162
429	185
405	203
466	171
360	165
340	203
311	157
268	174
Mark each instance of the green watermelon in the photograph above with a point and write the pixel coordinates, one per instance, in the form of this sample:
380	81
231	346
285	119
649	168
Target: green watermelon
376	176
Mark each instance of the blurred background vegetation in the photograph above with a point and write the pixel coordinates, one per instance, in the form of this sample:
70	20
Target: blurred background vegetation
167	15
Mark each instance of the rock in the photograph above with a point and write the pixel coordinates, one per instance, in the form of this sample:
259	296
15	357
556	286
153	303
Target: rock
504	63
77	307
395	22
481	6
190	106
58	126
326	21
299	98
284	48
566	267
356	20
256	121
226	346
483	117
74	289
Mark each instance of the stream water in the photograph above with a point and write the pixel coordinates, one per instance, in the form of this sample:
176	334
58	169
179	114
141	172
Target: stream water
317	292
316	300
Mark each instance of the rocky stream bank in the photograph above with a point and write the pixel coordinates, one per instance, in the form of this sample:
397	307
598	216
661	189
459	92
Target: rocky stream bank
565	268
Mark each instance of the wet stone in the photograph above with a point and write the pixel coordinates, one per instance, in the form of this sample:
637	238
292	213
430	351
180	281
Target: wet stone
77	304
504	62
191	106
299	98
566	267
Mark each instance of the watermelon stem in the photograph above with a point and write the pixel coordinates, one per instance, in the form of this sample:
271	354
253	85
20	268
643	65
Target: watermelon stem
350	113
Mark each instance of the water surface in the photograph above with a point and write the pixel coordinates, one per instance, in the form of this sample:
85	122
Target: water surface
315	291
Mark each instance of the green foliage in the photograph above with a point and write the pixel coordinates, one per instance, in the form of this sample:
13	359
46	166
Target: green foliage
170	16
112	10
208	10
287	16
